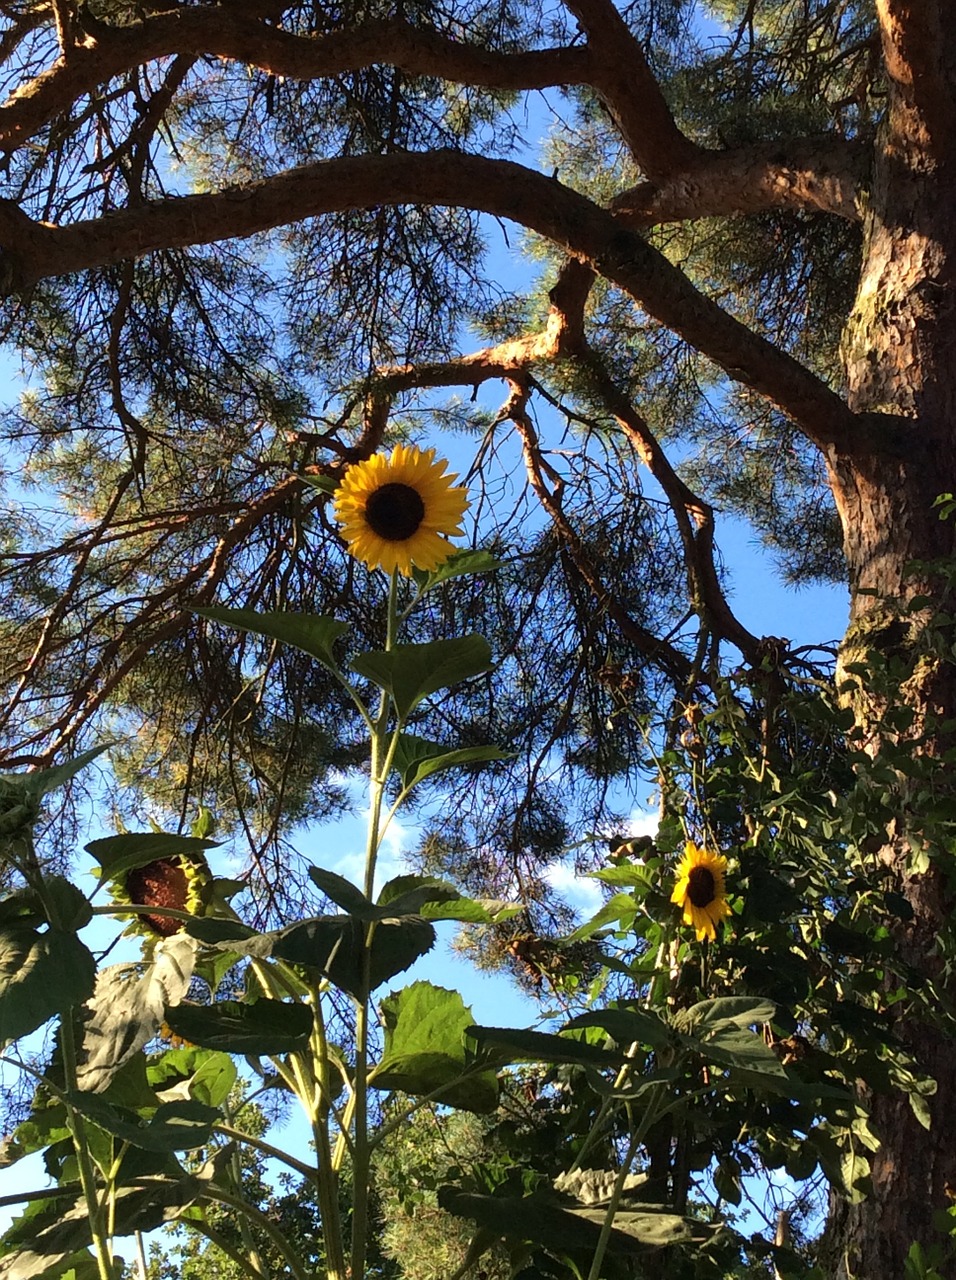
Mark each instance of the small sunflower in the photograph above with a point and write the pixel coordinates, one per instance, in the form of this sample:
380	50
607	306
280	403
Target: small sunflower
700	890
399	511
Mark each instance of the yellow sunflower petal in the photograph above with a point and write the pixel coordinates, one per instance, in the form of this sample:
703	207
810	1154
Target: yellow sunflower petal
700	891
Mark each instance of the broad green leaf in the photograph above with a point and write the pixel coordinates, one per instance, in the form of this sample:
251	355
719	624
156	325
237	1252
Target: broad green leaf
40	1241
920	1109
174	1126
509	1044
539	1218
119	854
311	633
409	895
129	1007
45	780
215	930
342	892
41	974
620	910
472	910
855	1176
417	758
743	1011
207	1075
461	562
425	1049
68	905
733	1046
335	945
410	672
628	1025
263	1027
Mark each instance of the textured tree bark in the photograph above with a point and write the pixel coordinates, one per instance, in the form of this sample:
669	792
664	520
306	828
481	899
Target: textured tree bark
900	360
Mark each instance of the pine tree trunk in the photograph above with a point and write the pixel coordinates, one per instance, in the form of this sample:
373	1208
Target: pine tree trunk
900	364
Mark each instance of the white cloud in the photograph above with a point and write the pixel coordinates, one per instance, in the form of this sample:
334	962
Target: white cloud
583	893
643	822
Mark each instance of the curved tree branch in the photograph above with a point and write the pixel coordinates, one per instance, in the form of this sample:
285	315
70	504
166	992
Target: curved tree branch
581	228
210	31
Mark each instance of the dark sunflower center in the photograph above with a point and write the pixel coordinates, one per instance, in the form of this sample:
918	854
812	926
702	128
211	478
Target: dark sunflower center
394	512
700	887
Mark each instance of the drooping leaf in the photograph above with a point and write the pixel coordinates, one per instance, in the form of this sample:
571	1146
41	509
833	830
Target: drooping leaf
628	1026
335	945
542	1219
312	633
119	854
510	1044
425	1051
410	672
742	1011
174	1126
260	1027
41	974
129	1007
190	1072
409	895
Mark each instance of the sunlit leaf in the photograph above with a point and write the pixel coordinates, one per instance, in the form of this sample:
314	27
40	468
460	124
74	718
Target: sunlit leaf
425	1051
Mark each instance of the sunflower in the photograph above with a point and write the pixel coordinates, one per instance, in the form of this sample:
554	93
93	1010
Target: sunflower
175	881
701	891
399	511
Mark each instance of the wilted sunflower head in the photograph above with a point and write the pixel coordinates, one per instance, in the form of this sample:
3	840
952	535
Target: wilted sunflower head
175	882
701	891
398	511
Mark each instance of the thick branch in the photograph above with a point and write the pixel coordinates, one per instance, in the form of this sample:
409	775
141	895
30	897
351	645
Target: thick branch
818	174
499	187
631	93
212	31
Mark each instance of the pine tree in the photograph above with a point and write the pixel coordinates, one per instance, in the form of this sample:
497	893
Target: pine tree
242	242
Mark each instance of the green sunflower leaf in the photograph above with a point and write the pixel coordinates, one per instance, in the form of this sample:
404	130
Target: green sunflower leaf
174	1126
119	854
455	566
310	632
425	1050
417	759
342	892
231	1026
742	1011
411	672
45	780
409	895
41	975
510	1044
335	945
627	1026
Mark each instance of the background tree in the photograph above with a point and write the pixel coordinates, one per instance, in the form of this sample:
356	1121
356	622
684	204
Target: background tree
240	245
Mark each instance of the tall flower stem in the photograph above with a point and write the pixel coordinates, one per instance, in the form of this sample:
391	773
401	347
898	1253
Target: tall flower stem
383	751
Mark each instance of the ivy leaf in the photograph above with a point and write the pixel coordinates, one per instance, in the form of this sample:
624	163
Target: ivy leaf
310	632
231	1026
410	672
425	1050
41	975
